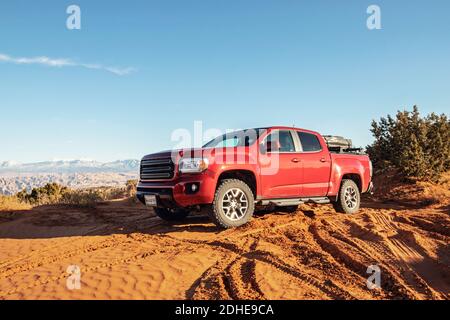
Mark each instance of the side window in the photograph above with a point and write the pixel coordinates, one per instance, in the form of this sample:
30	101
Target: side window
280	141
309	142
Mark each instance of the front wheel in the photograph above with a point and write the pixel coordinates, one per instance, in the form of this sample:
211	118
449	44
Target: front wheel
349	197
234	204
171	214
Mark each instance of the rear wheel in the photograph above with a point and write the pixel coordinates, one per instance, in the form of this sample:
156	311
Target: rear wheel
171	214
349	197
234	204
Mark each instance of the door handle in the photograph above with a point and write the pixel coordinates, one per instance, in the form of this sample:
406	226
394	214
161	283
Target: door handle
295	160
323	160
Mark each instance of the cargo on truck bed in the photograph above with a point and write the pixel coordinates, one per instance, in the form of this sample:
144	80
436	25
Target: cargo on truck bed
338	144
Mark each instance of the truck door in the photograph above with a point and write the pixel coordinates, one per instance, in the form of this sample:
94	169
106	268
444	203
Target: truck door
316	165
281	172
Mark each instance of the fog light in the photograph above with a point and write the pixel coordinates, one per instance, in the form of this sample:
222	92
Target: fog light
192	188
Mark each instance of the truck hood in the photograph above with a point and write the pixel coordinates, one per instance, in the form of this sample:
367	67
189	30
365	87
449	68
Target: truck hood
176	153
243	153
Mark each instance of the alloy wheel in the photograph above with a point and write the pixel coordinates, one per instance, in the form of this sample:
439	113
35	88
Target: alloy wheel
235	204
351	197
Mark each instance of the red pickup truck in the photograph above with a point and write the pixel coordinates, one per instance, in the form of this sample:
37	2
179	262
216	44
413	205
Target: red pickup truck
232	174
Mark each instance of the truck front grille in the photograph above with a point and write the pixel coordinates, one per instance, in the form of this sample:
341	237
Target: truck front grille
156	169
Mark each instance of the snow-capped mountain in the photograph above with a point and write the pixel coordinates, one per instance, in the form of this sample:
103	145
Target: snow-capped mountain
7	164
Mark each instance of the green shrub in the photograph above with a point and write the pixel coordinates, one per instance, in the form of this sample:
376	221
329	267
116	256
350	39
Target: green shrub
48	194
418	148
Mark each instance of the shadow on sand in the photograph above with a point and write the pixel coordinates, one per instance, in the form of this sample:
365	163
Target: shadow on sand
116	217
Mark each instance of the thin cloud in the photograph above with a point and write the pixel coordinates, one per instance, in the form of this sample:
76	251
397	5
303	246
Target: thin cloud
59	63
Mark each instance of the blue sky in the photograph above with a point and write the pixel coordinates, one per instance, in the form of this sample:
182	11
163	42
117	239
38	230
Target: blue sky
230	64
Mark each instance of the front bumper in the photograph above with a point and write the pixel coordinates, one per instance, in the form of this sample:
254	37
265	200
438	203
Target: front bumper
164	196
178	193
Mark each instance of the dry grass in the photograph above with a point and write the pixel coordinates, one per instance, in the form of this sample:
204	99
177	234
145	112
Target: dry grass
438	192
92	196
81	198
391	186
53	194
12	203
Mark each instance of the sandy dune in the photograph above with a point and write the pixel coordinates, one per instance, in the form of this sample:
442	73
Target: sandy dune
315	253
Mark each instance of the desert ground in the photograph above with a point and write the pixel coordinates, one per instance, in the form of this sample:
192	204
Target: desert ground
124	252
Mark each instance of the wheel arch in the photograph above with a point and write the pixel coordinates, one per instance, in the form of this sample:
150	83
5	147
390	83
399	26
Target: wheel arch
355	177
247	176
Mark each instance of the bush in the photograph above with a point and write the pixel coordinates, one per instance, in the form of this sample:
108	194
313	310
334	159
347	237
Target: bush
48	194
108	193
419	148
53	193
131	186
81	198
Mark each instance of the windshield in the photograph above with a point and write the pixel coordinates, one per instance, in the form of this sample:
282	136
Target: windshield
243	138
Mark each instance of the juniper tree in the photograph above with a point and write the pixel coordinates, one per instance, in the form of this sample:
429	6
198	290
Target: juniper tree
418	147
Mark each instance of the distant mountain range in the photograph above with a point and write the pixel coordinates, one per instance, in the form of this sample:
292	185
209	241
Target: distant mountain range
69	166
15	176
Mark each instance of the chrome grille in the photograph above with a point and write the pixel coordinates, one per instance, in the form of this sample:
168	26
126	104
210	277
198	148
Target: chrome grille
156	169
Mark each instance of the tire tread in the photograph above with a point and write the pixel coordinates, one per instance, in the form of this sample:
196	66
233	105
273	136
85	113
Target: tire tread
216	216
339	205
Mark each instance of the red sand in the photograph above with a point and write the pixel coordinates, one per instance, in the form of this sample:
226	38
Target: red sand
124	253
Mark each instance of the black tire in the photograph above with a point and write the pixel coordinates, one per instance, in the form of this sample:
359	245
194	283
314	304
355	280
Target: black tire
171	214
349	198
234	216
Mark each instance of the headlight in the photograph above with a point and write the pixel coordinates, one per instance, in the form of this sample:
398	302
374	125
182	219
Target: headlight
193	165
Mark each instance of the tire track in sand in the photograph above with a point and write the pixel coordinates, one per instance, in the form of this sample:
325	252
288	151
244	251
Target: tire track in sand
391	250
